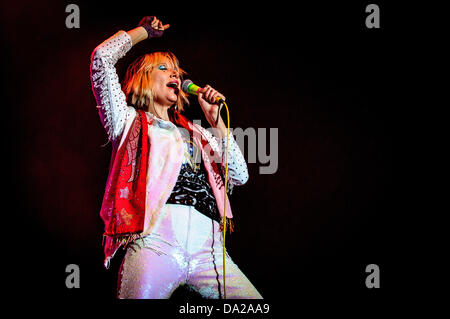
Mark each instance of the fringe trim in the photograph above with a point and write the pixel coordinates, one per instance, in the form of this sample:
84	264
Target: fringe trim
123	239
230	225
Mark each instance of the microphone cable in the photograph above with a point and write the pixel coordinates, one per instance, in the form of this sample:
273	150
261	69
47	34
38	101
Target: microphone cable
225	198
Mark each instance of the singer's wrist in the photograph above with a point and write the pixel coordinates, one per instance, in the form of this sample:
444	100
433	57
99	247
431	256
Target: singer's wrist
220	129
137	35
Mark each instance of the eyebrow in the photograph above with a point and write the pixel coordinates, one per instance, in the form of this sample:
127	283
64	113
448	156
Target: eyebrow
174	66
166	64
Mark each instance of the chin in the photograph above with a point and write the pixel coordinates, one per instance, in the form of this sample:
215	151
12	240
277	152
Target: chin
173	101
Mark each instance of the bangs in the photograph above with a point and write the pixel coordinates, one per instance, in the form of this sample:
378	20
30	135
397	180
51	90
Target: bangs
162	57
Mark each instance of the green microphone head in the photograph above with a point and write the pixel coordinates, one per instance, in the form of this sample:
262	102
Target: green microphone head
189	87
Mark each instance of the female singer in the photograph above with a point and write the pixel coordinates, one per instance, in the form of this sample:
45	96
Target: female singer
164	198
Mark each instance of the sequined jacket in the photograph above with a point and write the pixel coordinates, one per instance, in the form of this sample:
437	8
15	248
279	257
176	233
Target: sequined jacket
166	143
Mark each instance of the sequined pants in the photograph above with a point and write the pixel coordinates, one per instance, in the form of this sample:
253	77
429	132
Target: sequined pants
184	248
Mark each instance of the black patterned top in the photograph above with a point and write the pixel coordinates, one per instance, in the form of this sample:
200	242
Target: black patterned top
192	187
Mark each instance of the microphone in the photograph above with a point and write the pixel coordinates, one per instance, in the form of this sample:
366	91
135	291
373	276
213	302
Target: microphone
190	88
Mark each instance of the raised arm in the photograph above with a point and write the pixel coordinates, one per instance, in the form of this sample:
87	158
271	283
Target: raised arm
111	100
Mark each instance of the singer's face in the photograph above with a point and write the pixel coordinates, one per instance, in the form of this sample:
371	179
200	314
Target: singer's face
166	83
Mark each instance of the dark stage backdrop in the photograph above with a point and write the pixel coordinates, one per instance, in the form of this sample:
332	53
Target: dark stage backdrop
314	72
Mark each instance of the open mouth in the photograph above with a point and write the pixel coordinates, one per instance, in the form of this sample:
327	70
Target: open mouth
174	86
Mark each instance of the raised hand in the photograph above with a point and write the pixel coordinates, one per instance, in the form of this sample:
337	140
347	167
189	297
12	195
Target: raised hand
154	27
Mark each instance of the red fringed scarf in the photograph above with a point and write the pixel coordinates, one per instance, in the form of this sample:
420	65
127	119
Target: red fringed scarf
123	208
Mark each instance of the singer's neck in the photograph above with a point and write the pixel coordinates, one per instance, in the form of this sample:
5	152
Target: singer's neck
160	111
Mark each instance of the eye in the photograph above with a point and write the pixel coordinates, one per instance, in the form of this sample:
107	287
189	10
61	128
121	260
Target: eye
162	67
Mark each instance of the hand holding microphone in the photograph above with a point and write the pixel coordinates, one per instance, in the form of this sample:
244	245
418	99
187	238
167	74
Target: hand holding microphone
210	95
209	99
207	93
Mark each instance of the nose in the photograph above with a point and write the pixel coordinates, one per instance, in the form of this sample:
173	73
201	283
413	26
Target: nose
175	74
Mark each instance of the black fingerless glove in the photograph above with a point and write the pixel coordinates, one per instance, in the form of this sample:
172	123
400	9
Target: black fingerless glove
146	24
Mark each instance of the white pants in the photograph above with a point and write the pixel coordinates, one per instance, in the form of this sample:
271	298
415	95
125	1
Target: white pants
185	247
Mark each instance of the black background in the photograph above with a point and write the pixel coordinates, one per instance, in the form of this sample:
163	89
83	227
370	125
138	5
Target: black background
314	71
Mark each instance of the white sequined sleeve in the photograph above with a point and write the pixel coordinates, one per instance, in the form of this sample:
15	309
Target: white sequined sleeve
111	101
237	167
